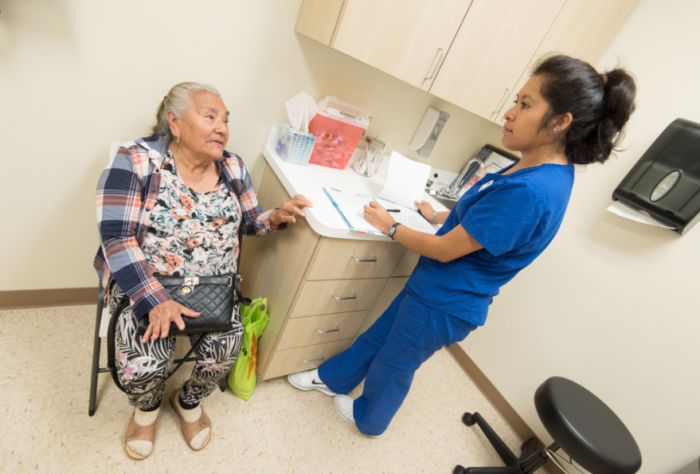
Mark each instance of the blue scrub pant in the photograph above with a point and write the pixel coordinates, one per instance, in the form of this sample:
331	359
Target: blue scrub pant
387	355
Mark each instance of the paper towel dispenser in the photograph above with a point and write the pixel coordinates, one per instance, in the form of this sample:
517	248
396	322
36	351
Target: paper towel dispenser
665	182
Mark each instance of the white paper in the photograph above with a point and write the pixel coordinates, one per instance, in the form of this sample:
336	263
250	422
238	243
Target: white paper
406	181
300	110
408	217
627	212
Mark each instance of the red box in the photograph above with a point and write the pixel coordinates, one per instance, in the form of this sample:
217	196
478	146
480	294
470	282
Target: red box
338	128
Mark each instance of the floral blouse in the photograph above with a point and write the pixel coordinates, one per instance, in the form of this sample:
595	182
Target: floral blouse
191	233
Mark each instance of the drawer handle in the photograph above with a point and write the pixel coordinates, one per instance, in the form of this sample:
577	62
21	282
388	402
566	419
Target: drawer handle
503	103
439	55
337	328
343	298
366	260
314	360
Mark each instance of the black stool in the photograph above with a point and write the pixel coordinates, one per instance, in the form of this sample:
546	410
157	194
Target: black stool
579	422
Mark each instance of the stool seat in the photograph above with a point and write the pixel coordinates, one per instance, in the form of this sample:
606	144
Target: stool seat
586	428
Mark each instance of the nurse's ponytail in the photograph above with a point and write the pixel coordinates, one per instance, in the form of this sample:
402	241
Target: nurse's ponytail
600	105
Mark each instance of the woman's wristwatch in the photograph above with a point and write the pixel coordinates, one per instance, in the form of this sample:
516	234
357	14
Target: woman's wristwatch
392	230
435	218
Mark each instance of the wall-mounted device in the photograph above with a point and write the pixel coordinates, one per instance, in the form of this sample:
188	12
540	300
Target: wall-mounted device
665	182
428	131
488	159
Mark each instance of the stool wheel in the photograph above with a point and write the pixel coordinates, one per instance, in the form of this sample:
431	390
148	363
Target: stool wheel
468	419
459	469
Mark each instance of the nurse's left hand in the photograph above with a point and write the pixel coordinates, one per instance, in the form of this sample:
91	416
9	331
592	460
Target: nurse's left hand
378	217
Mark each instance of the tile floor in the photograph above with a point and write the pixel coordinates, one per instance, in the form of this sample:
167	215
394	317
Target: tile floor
46	356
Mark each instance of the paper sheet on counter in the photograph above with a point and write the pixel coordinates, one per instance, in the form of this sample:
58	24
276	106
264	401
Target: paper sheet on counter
627	212
408	217
406	181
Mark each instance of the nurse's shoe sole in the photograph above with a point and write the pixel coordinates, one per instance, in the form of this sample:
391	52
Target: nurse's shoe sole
309	380
344	406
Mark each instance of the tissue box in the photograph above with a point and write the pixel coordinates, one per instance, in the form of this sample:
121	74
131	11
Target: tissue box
294	146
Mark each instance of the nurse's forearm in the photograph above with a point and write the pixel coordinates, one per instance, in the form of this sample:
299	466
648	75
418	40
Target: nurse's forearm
444	248
441	217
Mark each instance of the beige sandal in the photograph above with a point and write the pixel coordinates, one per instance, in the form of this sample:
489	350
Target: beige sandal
190	430
137	432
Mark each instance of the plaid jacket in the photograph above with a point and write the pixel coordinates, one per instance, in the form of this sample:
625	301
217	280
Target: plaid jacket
126	193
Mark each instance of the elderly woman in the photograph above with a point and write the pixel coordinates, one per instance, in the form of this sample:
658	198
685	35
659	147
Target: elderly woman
172	204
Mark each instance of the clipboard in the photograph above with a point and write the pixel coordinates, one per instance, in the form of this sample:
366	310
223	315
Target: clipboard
351	206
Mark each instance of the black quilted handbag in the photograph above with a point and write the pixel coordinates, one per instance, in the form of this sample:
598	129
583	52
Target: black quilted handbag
214	297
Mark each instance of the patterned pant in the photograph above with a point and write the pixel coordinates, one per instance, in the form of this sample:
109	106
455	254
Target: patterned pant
142	366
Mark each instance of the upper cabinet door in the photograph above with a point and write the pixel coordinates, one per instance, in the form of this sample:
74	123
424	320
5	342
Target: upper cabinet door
583	30
408	39
493	47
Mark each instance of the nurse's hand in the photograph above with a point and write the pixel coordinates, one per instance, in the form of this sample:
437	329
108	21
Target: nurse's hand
378	217
425	209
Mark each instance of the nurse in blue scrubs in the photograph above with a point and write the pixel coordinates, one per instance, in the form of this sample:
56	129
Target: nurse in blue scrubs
566	114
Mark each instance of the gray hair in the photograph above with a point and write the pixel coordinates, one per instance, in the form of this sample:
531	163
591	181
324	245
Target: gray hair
178	100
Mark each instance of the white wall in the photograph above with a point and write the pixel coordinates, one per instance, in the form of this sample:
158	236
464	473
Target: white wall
75	75
613	304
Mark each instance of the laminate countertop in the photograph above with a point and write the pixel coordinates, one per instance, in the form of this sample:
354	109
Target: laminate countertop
310	180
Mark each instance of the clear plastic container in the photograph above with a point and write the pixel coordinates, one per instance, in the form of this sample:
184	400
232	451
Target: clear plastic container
294	146
338	128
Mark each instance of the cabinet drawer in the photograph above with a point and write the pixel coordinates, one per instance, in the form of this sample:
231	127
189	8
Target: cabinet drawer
312	330
336	296
406	265
304	358
342	259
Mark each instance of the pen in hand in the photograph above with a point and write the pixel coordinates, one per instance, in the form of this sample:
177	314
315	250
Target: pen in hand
393	210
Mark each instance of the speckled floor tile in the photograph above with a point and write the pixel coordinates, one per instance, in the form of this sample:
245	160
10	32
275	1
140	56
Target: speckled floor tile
46	356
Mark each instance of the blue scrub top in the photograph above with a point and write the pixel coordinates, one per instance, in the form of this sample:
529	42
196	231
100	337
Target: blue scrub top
514	217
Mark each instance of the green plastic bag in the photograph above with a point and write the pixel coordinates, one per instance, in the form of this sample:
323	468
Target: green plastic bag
243	378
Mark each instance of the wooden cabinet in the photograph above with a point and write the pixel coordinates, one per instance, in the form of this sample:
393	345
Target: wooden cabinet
476	54
494	45
582	30
405	38
320	291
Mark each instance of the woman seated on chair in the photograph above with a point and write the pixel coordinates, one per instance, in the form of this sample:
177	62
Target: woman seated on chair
172	204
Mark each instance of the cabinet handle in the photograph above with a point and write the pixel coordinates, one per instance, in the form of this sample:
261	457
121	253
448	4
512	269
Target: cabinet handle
343	298
366	260
503	102
439	55
314	360
337	328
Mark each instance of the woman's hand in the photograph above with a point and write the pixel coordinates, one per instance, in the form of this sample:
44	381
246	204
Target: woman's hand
378	217
425	209
287	210
161	316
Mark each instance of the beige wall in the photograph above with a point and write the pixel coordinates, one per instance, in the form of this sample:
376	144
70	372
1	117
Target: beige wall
613	304
75	75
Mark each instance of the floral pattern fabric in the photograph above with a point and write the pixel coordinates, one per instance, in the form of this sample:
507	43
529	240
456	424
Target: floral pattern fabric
188	233
191	233
143	366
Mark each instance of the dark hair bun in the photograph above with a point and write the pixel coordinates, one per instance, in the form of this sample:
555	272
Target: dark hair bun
600	104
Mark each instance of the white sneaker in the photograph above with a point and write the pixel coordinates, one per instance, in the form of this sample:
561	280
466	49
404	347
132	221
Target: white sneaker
343	405
309	380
